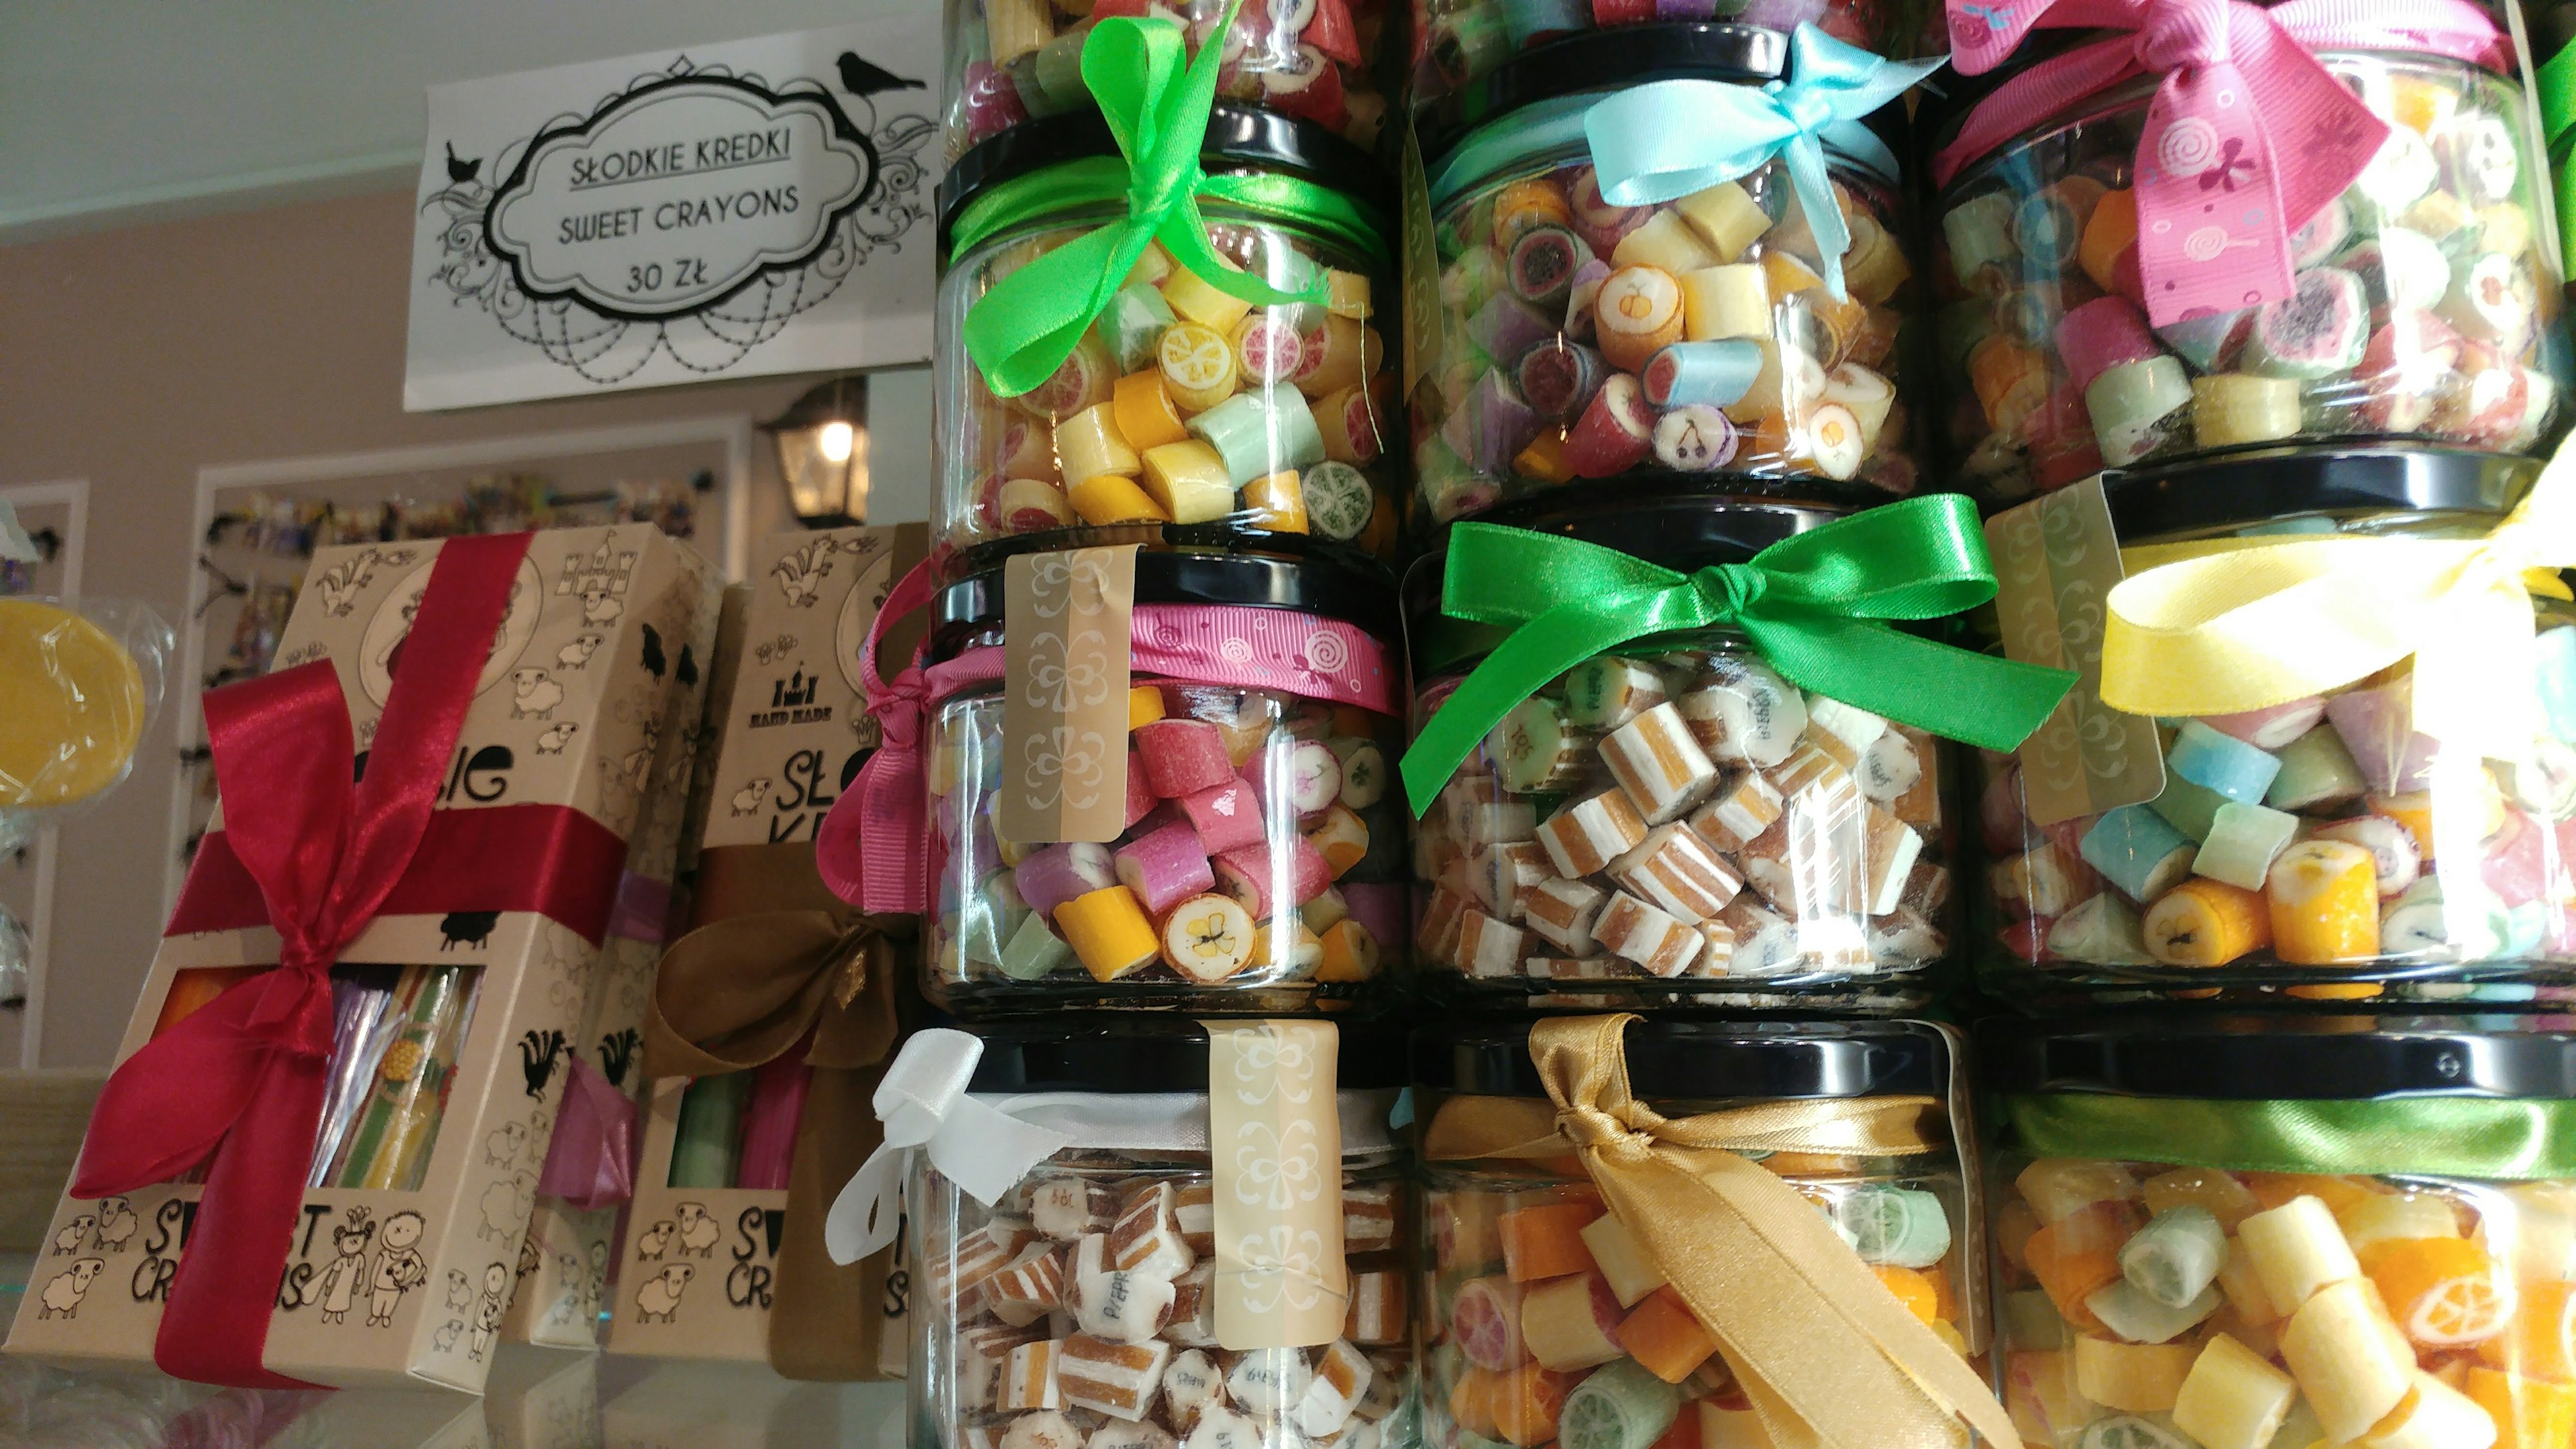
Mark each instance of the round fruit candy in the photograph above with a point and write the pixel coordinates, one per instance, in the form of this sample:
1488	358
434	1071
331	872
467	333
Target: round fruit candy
1208	938
1338	500
1198	366
1621	1406
1485	1323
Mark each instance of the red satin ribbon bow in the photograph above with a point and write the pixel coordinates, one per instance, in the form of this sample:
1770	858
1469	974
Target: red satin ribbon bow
873	847
242	1079
2247	138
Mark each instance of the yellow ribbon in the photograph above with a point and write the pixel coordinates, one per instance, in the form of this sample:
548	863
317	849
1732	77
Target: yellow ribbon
2240	624
1826	1355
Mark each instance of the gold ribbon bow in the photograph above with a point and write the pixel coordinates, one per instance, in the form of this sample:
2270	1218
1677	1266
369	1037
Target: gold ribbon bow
783	957
1827	1356
2227	625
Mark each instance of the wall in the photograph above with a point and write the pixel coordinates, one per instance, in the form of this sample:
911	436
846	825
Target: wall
134	357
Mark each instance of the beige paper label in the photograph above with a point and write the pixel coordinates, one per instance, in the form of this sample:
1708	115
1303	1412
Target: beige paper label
1064	695
1275	1147
1422	314
2057	558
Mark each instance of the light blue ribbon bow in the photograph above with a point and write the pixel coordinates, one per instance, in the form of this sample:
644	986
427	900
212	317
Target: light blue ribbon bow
1666	139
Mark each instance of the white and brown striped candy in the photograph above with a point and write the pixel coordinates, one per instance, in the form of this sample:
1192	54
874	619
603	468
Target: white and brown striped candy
1268	1382
1119	1434
1584	837
1193	1319
1147	1237
979	1255
1377	1309
1030	1287
1646	935
1052	1429
1927	888
1659	765
1889	848
1220	1427
1489	947
1717	948
1504	875
1368	1217
1675	869
1443	921
1120	1307
1561	912
1066	1207
1902	940
1740	710
1118	1379
1743	807
1191	1384
1340	1377
1029	1377
1194	1208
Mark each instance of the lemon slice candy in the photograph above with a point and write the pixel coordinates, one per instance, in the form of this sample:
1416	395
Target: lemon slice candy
75	706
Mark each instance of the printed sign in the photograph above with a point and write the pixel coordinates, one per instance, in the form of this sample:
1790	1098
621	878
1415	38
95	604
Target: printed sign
756	207
2057	558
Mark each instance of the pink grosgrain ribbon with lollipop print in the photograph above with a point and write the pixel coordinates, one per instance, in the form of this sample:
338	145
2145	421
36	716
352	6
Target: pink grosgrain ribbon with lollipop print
2248	137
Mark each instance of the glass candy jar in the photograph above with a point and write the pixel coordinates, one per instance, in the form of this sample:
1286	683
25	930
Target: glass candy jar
1027	1333
2183	1258
1672	823
2320	847
1184	414
1546	1320
2426	304
1470	54
1262	863
1588	347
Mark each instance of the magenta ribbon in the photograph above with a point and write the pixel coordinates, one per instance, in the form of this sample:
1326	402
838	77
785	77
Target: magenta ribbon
590	1164
2248	137
873	847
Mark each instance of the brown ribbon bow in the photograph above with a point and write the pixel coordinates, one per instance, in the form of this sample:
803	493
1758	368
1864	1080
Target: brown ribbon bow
782	958
1825	1353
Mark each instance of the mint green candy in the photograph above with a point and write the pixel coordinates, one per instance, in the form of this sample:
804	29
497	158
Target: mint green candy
1900	1226
1622	1406
2176	1255
1133	324
2140	1319
1338	500
2316	770
2187	807
1033	951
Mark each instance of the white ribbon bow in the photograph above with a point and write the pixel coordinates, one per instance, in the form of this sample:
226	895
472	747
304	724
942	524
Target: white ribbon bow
923	1103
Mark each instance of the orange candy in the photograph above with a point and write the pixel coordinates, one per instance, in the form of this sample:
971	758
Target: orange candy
1471	1401
2080	1253
1916	1291
2272	1189
1526	1401
1666	1337
2528	1413
1546	1241
2540	1343
2444	1292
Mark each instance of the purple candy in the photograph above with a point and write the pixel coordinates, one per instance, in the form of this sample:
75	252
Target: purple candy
1505	327
1054	874
1166	867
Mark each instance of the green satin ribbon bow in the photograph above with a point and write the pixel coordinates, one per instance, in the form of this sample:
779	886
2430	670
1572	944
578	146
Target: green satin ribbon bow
2556	83
1022	331
2483	1137
1813	604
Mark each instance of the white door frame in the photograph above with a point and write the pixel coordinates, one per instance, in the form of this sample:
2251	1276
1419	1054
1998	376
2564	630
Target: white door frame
735	431
72	493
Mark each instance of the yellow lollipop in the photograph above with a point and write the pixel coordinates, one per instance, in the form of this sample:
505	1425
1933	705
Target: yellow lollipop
74	706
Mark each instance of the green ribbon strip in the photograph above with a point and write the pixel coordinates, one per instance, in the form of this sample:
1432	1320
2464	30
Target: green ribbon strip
2482	1137
1812	604
1035	198
1022	331
2556	84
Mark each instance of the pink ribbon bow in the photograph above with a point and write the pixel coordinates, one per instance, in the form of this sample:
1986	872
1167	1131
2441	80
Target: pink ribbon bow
590	1164
2248	137
873	847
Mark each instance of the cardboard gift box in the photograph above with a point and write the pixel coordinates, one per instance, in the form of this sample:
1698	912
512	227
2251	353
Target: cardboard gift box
376	987
704	1266
562	1270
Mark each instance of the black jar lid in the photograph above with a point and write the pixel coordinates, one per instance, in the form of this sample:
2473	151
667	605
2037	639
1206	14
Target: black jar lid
1356	592
2241	490
1612	57
1680	526
1236	136
2552	30
1672	1057
1138	1052
2339	1056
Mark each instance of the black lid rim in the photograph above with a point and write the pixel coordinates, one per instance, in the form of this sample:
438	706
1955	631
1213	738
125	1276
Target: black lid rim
2241	490
1356	593
1126	1053
1712	1058
2262	1056
1590	60
1237	135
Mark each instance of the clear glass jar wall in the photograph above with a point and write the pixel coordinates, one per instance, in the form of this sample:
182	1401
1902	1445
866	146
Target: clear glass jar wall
1016	61
1458	43
2296	847
1584	344
1673	821
1262	863
1181	405
2426	304
2162	1303
1028	1336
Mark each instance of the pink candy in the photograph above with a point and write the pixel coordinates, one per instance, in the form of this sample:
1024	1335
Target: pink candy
1251	873
1140	794
1183	757
1166	867
2102	334
1225	816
